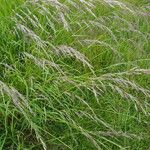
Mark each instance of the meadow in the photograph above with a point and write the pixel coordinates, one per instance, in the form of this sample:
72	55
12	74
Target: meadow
74	75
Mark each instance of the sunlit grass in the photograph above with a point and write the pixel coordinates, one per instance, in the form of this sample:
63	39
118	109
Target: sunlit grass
74	74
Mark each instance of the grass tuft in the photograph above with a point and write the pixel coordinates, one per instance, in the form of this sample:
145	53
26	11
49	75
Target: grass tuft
74	74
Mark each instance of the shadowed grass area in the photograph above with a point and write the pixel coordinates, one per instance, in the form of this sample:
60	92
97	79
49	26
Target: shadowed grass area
74	75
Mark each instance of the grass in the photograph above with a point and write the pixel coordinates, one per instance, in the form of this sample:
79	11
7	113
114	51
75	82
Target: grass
74	75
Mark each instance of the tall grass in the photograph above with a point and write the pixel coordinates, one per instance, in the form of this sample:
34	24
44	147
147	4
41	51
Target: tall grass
74	75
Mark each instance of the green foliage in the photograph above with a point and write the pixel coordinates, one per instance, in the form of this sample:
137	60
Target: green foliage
74	75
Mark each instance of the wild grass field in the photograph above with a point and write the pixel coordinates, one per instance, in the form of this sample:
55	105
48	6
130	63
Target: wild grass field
74	75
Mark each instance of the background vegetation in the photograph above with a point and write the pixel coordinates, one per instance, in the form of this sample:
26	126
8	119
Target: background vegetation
74	74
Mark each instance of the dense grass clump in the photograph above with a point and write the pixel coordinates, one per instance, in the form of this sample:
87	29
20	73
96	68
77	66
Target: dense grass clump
74	74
